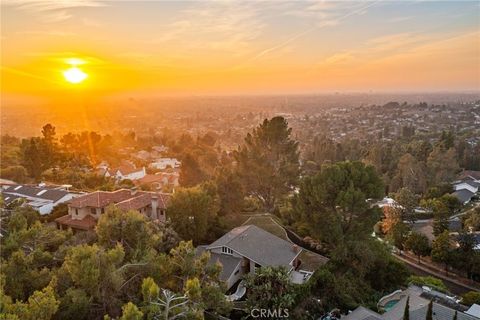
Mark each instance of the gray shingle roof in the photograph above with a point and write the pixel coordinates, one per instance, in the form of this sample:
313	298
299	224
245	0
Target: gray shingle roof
229	263
463	195
35	192
362	313
259	246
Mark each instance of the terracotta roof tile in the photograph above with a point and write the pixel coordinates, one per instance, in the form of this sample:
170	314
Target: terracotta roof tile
87	223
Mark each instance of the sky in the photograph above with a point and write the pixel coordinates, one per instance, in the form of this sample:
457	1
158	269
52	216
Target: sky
239	47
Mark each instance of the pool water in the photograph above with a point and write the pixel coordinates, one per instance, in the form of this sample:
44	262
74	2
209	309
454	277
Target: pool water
389	305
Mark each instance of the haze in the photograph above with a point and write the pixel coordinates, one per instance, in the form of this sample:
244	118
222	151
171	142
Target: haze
222	48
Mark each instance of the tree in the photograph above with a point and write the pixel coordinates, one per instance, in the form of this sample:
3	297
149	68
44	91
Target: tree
269	288
135	232
399	235
41	305
192	211
32	157
191	173
429	315
392	217
74	304
15	173
230	190
442	165
466	258
332	204
406	312
418	244
131	312
428	281
268	161
442	250
472	221
441	213
410	174
471	297
98	272
407	201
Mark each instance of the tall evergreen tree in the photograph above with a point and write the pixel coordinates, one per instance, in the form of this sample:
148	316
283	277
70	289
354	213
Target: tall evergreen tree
406	312
268	161
429	311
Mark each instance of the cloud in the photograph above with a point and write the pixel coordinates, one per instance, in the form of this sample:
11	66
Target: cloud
219	26
320	10
52	10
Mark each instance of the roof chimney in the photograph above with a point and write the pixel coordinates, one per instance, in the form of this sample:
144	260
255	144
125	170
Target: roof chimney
154	199
133	190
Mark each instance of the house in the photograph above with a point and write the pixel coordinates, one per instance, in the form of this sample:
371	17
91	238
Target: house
163	163
246	248
84	211
42	198
443	306
470	175
474	310
159	180
467	186
126	171
464	195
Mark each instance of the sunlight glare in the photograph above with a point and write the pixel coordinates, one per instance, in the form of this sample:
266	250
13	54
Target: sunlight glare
74	75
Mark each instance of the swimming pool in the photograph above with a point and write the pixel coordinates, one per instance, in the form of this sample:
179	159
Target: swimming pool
390	304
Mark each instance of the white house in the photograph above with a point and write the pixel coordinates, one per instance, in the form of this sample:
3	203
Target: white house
126	171
163	163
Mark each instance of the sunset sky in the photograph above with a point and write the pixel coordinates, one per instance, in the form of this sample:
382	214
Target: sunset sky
223	47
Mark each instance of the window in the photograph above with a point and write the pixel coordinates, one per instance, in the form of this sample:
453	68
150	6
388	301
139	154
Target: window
227	250
236	272
103	210
76	212
93	211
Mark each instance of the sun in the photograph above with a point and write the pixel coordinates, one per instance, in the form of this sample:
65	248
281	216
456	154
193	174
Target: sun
74	75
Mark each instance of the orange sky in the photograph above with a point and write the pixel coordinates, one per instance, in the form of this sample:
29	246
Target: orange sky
221	47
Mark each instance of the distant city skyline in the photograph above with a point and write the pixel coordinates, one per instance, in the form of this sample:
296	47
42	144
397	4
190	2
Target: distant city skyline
222	47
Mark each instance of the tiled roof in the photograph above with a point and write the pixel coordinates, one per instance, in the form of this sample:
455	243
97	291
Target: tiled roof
125	199
87	223
150	178
135	203
470	173
100	199
127	169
